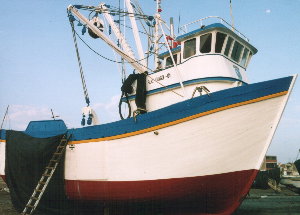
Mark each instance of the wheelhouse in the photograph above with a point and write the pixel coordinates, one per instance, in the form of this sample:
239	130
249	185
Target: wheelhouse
214	39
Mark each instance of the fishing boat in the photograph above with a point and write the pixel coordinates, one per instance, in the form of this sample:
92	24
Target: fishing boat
196	132
290	176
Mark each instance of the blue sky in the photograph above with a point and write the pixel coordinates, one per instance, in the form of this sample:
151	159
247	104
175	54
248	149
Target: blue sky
38	66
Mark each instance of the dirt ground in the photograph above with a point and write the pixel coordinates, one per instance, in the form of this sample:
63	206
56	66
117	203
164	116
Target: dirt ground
258	202
6	207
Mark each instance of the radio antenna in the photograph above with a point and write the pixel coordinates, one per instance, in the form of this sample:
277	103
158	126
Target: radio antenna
4	116
232	19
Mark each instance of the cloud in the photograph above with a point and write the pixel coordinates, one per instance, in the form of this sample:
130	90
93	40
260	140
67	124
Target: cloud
19	116
108	112
268	11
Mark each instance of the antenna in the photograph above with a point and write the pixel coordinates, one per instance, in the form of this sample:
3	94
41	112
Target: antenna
231	15
4	116
179	23
53	117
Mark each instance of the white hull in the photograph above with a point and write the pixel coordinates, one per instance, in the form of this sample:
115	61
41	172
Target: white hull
223	142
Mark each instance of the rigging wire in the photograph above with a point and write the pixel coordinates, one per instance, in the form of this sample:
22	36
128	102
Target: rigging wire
86	95
127	62
138	9
114	12
81	72
106	58
5	117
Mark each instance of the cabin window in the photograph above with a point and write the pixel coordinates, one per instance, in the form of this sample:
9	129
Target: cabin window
220	38
228	45
249	58
189	48
236	51
169	61
205	43
244	57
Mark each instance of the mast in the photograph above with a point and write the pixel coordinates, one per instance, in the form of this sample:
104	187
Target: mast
156	33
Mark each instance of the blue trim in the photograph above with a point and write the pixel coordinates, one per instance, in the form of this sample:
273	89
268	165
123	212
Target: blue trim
213	27
46	128
2	134
177	111
184	109
186	83
190	34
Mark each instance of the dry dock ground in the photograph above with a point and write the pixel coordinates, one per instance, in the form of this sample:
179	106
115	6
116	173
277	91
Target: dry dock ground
258	202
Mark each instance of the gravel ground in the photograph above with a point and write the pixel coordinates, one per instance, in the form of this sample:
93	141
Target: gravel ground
258	202
269	202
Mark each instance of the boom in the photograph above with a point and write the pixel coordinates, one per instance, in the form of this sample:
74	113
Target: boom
135	64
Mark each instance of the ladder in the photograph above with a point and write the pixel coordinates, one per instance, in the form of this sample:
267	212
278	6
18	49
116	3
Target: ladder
46	176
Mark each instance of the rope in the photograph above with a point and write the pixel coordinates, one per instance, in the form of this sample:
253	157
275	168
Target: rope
125	62
86	95
83	81
106	58
128	105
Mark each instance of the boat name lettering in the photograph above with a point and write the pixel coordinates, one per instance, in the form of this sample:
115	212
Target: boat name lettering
159	78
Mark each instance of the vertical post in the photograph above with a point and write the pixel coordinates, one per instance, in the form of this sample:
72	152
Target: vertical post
126	47
171	55
156	33
172	28
135	32
232	20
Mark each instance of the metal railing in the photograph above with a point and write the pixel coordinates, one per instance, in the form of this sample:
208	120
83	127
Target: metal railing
184	28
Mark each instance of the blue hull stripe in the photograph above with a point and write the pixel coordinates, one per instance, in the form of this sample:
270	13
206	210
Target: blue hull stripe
182	110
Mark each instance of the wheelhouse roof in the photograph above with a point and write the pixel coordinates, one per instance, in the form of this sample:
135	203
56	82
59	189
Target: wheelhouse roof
174	50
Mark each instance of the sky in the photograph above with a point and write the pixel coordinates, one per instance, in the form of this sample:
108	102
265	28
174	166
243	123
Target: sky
39	70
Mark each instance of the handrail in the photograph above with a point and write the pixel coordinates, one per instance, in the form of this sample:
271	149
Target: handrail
184	28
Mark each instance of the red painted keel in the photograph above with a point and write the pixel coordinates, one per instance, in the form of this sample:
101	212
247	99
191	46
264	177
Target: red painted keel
213	194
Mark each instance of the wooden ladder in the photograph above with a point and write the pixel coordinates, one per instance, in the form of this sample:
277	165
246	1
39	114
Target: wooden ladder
46	176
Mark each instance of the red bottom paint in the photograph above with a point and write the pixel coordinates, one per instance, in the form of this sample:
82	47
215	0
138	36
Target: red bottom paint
213	194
